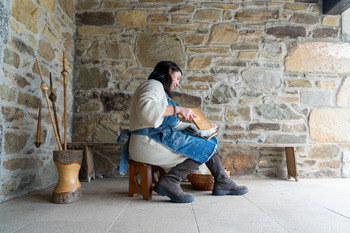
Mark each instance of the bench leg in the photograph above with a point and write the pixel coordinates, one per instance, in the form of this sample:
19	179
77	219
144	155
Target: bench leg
291	163
90	166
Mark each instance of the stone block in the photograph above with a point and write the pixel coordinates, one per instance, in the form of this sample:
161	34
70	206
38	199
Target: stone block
324	152
331	21
90	106
215	118
234	127
96	128
294	128
11	58
182	9
333	164
194	39
186	100
343	96
116	101
206	78
14	143
302	18
319	57
209	50
307	1
91	78
46	51
109	49
138	18
325	32
238	114
95	18
262	79
223	33
98	31
208	15
316	98
240	163
285	138
329	125
247	55
264	126
69	7
21	47
331	85
28	100
12	115
276	112
288	99
245	46
273	49
7	93
88	4
150	49
158	19
200	62
253	15
7	188
286	31
223	94
19	11
170	2
302	83
295	6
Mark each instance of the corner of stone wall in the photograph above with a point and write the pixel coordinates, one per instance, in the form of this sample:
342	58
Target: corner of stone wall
43	34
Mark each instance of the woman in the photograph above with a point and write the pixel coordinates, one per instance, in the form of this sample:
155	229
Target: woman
159	138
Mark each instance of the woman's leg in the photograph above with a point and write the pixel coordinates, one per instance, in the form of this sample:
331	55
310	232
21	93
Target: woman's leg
223	185
169	184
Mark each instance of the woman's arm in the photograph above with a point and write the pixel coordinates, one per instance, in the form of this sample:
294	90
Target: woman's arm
186	113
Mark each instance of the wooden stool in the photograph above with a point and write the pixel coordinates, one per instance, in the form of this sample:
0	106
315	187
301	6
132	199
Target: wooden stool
149	175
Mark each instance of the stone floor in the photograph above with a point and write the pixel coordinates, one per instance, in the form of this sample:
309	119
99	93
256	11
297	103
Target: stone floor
310	205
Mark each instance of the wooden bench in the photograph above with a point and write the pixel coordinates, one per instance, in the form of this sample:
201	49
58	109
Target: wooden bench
291	161
88	154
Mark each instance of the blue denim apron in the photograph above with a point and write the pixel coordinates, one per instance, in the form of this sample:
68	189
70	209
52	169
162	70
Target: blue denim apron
179	141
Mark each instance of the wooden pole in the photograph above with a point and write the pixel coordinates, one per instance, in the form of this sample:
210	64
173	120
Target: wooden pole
37	142
53	98
45	88
65	74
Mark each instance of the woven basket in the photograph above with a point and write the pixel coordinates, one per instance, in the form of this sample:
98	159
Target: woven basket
202	181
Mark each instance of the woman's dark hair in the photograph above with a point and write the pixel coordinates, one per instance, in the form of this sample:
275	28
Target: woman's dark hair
161	73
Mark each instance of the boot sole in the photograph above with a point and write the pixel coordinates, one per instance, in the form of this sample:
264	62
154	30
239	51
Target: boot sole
229	192
173	198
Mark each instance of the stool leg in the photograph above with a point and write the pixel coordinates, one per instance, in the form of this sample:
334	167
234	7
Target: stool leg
146	182
132	180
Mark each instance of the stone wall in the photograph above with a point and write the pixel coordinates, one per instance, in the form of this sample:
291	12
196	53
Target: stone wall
31	29
274	71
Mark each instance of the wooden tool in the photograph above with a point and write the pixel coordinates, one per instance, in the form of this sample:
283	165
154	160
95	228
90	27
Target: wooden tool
65	74
53	98
201	121
45	89
37	142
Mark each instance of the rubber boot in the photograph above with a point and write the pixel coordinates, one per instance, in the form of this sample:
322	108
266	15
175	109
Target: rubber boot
223	185
169	184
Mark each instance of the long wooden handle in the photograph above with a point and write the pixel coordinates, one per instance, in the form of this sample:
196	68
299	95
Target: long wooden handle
37	142
53	97
45	88
65	74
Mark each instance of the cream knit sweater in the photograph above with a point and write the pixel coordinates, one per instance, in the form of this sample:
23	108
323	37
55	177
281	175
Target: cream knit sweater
147	108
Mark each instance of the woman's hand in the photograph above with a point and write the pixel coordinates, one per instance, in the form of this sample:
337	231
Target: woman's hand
186	113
